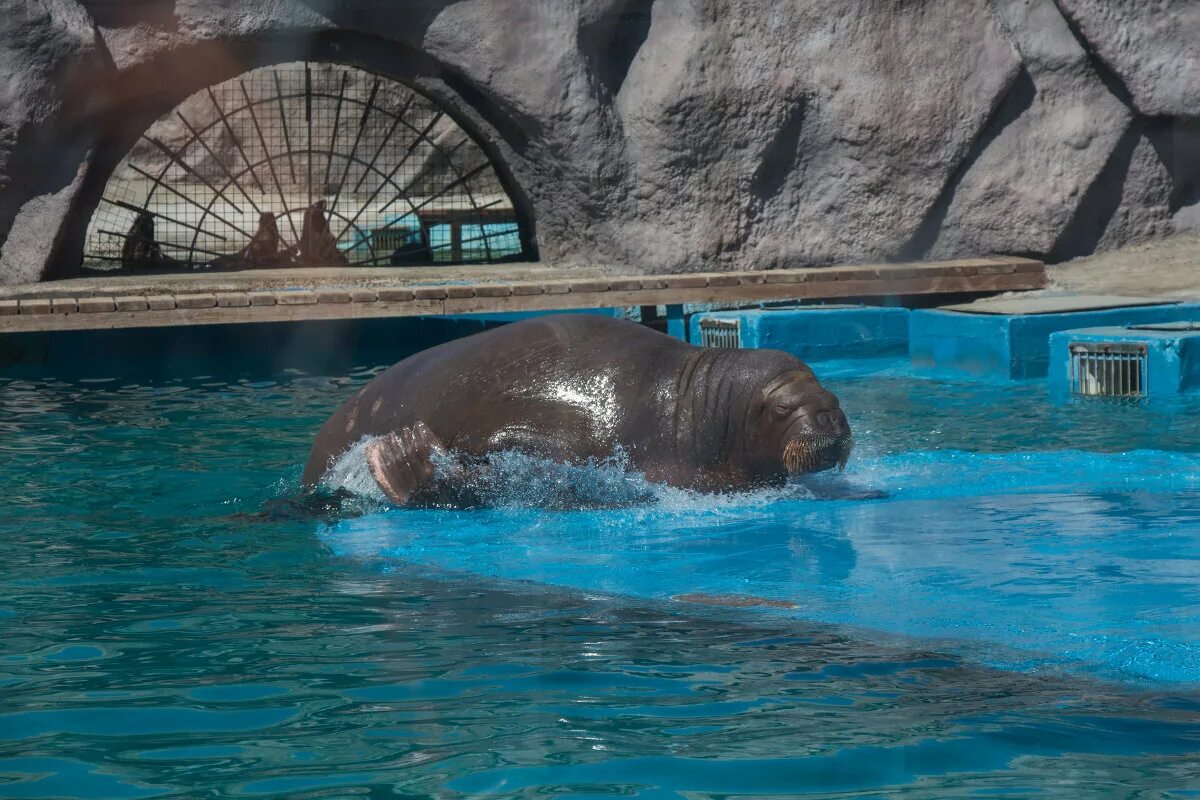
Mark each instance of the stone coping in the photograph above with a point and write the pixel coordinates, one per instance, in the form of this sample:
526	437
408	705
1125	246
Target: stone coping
125	302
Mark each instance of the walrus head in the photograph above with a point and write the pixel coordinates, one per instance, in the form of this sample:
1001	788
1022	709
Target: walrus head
802	423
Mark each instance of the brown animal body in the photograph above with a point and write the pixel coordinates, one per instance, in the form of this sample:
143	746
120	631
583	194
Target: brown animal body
575	388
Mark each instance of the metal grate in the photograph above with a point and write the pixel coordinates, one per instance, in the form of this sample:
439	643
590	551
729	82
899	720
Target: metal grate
1109	369
303	164
720	332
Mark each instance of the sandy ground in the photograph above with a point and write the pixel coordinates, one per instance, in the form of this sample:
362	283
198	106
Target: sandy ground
1163	268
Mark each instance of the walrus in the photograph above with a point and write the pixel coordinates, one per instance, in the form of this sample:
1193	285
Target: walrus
578	388
264	251
140	248
266	246
318	247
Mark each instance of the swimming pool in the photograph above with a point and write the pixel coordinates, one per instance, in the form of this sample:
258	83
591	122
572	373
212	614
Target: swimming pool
1019	616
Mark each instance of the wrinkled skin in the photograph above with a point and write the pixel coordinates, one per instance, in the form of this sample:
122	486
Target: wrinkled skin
573	388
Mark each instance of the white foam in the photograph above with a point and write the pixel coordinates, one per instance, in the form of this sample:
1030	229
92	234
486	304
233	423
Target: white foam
514	480
351	473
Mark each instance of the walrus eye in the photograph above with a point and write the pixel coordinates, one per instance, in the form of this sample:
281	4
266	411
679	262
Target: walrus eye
784	409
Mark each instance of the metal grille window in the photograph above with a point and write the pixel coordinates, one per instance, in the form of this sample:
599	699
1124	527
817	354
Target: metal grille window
720	333
1109	369
303	164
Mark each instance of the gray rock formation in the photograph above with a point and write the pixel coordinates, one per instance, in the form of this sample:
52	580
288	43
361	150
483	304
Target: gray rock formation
672	135
1047	142
1152	46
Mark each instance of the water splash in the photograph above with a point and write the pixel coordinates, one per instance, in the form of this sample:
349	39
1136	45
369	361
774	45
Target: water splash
350	473
514	480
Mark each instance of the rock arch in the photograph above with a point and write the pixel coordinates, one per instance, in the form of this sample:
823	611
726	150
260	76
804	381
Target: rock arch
445	165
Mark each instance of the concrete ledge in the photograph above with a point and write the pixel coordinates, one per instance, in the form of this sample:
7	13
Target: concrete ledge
1013	346
1172	357
224	303
815	333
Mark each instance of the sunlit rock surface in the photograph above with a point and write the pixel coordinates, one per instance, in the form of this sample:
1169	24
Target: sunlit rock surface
673	135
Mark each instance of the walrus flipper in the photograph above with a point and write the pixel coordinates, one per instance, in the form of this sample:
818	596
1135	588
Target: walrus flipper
404	464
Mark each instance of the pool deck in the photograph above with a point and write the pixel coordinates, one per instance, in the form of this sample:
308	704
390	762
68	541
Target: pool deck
128	301
1167	267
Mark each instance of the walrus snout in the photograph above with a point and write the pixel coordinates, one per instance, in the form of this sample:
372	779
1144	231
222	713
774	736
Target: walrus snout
816	452
817	440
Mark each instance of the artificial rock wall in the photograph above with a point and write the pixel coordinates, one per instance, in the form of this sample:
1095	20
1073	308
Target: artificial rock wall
674	135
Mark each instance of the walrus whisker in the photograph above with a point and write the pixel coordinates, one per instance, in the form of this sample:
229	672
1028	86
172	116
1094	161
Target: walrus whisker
810	452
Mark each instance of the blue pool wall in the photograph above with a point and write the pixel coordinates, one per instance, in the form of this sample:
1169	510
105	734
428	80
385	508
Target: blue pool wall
315	347
1173	358
815	334
949	343
1013	347
256	350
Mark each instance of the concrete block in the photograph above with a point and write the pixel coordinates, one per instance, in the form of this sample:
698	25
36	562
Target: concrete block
261	298
232	300
96	305
581	287
334	296
816	333
39	305
1171	365
1013	346
192	301
132	303
302	297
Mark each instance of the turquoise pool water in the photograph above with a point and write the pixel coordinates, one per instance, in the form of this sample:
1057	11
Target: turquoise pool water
1018	617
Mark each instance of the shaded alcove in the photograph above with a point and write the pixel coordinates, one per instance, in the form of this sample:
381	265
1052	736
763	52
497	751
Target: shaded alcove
246	169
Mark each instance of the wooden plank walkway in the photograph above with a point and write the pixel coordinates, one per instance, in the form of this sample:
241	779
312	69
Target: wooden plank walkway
126	302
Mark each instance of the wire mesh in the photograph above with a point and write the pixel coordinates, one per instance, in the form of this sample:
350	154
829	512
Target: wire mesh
720	333
303	164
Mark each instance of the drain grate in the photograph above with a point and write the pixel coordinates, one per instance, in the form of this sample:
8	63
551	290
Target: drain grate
720	333
1109	369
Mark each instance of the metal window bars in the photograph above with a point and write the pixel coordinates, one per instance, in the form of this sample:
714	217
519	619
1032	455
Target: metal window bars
720	332
1109	369
303	164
